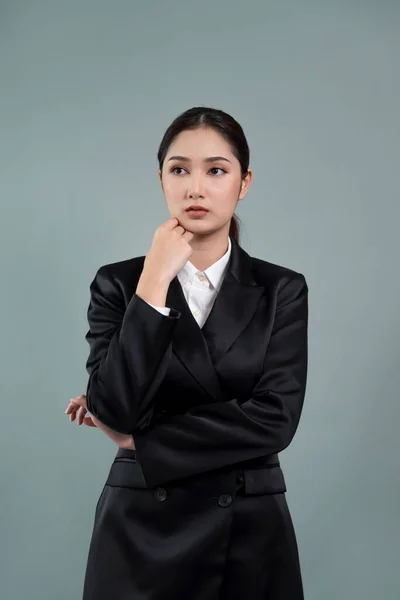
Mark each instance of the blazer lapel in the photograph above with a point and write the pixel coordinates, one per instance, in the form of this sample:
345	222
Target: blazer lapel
189	344
200	349
234	306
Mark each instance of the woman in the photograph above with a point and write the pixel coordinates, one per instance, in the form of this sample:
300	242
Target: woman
197	371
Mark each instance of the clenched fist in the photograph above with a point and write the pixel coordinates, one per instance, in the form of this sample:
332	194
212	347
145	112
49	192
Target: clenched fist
168	253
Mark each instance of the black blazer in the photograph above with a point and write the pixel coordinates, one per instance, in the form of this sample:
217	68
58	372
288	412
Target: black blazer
199	399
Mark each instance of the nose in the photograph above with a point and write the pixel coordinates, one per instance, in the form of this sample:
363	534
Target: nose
196	187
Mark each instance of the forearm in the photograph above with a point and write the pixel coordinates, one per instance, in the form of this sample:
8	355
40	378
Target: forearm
212	436
124	378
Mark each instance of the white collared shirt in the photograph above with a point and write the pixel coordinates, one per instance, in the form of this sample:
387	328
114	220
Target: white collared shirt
200	288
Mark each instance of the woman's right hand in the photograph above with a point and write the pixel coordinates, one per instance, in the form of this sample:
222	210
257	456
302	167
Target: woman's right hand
168	253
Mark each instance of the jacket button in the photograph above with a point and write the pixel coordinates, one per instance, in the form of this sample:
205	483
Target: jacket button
160	494
225	500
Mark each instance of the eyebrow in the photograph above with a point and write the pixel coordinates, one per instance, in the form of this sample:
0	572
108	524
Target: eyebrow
206	160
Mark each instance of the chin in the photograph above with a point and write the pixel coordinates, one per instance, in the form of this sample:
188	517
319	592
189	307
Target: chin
195	222
196	225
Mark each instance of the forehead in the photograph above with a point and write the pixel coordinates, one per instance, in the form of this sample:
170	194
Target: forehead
200	143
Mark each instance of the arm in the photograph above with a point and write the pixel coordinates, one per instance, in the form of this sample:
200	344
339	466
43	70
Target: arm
129	355
211	436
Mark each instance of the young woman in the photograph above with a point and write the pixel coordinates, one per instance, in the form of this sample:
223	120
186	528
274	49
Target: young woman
197	371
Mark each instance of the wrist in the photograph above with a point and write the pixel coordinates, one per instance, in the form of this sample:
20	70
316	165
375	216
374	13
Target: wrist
152	289
128	444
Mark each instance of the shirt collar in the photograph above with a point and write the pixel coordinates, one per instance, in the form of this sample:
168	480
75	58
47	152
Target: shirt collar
215	272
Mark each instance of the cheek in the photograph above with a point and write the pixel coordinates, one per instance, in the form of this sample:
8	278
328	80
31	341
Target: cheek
228	185
173	189
227	192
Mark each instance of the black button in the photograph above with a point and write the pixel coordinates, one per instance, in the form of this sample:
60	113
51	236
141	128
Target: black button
225	500
160	494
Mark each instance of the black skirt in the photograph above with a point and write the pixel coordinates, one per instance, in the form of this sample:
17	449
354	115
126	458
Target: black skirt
223	535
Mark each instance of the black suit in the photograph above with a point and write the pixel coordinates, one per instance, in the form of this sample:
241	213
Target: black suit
199	511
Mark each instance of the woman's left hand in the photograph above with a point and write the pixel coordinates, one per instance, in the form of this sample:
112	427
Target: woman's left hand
77	409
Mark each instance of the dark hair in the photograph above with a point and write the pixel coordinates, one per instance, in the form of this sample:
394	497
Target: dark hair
202	116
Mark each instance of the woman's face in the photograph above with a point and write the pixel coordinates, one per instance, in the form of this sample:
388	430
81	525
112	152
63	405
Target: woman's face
200	169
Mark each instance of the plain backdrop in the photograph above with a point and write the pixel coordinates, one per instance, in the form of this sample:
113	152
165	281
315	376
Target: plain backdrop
88	88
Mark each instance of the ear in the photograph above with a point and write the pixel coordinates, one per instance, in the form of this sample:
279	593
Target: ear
246	182
160	178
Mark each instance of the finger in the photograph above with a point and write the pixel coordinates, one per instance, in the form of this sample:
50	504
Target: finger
72	407
89	422
79	401
179	229
171	223
71	410
74	404
81	414
188	235
72	414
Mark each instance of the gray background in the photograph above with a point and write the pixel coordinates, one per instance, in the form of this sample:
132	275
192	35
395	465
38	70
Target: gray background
87	90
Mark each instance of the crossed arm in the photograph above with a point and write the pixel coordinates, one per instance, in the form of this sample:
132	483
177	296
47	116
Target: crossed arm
211	436
207	436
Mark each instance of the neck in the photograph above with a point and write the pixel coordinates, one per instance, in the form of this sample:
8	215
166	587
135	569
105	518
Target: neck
208	249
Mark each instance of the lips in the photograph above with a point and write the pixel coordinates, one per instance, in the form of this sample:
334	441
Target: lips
196	207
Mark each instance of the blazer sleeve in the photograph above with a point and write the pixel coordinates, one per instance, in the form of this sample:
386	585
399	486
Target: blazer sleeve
164	310
211	436
130	348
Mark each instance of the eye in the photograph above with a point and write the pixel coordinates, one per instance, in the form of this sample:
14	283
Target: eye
217	169
174	169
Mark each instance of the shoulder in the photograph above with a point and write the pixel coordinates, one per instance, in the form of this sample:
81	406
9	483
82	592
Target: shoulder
277	276
122	269
116	278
